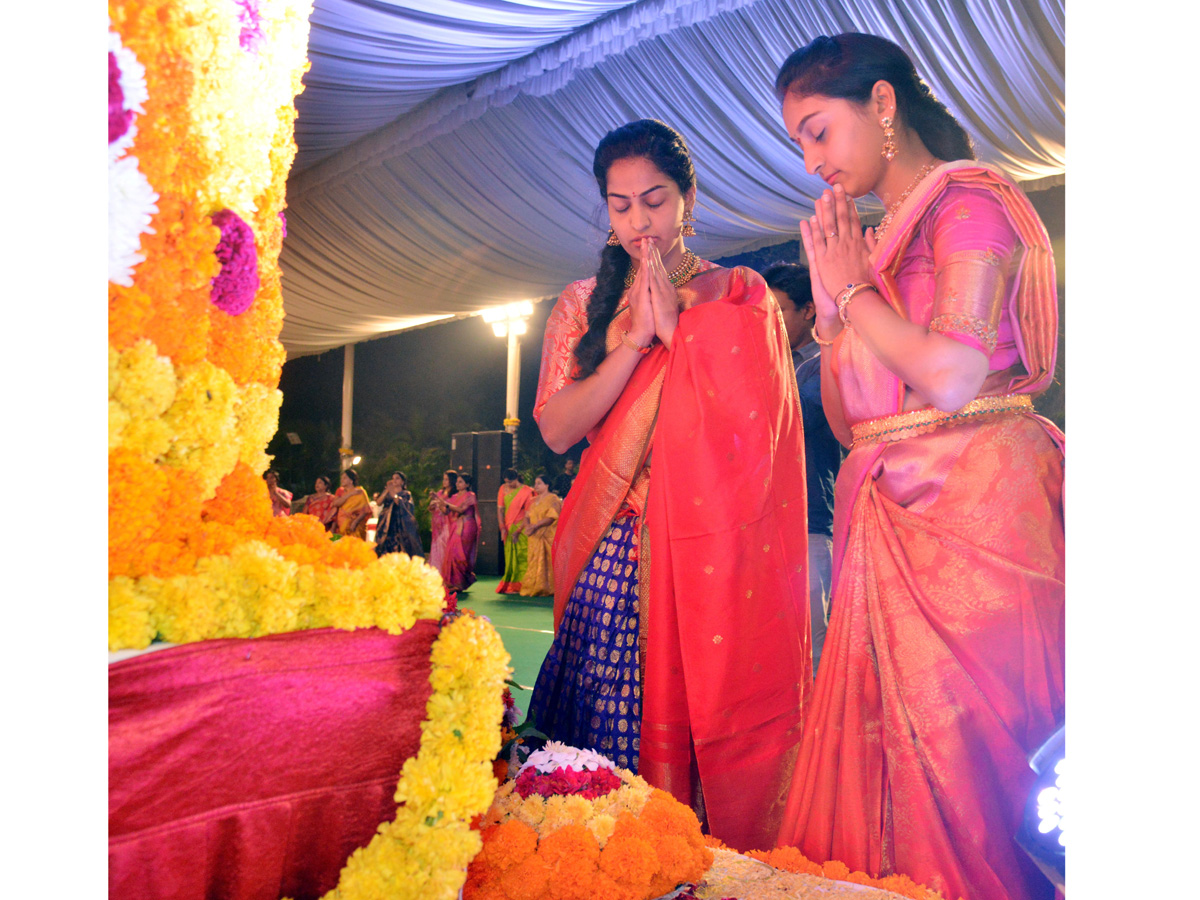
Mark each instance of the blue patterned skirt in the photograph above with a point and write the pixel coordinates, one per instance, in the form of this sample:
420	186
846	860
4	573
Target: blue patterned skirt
589	691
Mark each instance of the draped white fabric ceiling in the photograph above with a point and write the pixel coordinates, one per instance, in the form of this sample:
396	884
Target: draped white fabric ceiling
445	146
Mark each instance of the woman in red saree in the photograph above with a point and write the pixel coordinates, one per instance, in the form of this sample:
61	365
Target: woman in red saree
462	536
943	664
319	504
680	608
439	525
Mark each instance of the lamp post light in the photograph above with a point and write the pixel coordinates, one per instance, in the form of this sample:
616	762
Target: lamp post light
510	321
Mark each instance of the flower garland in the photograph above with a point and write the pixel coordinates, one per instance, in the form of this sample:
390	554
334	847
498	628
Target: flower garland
423	853
789	859
630	841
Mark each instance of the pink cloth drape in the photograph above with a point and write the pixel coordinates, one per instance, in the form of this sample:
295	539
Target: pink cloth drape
251	769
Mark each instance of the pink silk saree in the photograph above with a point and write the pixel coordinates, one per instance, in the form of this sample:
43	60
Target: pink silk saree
462	543
943	663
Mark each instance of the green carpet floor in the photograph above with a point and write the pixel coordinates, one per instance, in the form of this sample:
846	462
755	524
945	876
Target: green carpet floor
525	624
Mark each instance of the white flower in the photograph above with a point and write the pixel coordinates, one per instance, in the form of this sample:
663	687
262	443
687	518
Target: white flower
133	87
131	205
555	756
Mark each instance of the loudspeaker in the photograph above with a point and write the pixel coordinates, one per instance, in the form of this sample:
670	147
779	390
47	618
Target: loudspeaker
462	453
493	454
490	559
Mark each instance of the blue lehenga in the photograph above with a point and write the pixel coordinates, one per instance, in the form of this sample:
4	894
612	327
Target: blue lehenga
589	690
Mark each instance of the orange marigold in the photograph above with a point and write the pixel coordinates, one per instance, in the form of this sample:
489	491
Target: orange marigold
527	880
627	858
507	844
572	854
836	870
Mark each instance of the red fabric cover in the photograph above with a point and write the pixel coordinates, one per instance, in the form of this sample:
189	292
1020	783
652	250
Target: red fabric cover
253	768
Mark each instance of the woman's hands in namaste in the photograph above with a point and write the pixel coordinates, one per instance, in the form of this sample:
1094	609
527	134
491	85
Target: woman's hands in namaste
652	300
838	254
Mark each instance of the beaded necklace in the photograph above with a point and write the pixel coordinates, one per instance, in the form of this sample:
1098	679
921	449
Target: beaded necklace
679	276
891	210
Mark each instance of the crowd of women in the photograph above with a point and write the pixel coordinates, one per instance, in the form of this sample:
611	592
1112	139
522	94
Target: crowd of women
681	645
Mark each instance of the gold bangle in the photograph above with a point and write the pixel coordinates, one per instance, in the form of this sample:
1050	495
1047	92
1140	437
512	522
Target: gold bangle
847	295
628	342
818	339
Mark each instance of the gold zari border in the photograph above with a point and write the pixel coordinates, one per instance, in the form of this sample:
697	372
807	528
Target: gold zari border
922	421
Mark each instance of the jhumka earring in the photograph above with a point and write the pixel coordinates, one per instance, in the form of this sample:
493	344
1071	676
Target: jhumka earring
613	240
688	219
889	138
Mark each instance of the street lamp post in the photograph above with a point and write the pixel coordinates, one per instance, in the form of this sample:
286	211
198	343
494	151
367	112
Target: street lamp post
510	321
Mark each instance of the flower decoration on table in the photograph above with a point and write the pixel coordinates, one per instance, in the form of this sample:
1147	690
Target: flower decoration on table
573	825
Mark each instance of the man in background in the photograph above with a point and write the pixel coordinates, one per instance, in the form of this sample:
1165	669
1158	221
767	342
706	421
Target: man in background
790	285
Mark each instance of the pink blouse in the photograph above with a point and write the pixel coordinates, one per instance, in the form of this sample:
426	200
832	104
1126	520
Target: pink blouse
957	276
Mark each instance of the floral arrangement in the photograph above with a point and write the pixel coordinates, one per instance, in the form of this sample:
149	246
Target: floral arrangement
609	835
424	851
201	115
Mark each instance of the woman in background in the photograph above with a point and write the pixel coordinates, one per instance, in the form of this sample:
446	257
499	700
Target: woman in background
397	528
353	507
512	502
943	664
540	525
319	504
462	540
281	500
439	524
684	536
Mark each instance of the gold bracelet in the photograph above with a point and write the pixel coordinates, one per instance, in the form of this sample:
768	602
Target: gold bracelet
818	339
628	342
847	295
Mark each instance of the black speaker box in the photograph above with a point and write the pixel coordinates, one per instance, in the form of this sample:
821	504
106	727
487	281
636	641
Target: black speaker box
493	454
490	559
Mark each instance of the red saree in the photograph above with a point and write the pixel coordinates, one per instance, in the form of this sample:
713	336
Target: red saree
943	664
462	542
723	553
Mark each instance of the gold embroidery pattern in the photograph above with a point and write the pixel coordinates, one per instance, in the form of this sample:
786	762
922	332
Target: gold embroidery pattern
921	421
968	325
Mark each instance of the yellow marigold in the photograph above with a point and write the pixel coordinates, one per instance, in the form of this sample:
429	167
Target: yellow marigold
531	811
601	825
129	621
257	416
204	425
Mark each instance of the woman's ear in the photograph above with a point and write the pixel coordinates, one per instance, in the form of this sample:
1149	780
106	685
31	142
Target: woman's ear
883	99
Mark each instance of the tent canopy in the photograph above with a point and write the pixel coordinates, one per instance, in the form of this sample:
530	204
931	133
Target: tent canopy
445	146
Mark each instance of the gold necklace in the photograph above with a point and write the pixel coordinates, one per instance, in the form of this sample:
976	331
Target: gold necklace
891	210
679	276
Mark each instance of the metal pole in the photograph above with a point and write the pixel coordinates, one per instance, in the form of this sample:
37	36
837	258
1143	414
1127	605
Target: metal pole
347	402
514	385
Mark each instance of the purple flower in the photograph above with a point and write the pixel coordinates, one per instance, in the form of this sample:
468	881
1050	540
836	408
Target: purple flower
235	286
251	36
119	118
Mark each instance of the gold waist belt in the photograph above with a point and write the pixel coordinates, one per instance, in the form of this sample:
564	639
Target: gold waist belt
921	421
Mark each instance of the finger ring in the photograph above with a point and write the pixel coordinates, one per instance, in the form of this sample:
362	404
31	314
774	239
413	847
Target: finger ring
832	234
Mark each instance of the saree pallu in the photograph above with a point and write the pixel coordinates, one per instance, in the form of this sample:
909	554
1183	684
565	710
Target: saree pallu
439	533
358	499
462	543
516	546
539	574
724	632
943	663
397	528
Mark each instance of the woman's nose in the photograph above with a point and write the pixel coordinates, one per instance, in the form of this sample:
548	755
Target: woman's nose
812	163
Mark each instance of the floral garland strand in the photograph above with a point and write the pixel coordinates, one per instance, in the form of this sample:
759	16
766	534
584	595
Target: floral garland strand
789	859
423	853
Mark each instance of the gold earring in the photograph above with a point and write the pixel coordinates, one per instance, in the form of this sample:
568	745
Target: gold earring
613	240
688	219
889	138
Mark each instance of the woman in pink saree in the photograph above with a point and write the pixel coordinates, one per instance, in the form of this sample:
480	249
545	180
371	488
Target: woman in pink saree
462	536
439	524
943	664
